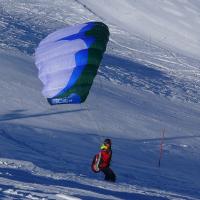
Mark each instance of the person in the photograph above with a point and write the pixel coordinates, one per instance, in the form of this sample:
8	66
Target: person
102	161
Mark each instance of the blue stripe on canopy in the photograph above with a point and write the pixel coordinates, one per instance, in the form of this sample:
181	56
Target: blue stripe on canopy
81	57
81	61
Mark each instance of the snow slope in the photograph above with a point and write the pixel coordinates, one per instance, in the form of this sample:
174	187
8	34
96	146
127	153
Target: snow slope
168	23
145	83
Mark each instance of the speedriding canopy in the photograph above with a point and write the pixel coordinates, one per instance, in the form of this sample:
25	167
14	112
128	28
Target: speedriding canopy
68	60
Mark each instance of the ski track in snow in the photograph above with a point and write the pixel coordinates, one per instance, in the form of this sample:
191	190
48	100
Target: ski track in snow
65	187
28	167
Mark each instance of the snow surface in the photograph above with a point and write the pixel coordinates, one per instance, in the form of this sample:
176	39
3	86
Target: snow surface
148	81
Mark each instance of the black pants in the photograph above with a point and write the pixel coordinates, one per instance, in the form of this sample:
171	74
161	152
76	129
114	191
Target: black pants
109	174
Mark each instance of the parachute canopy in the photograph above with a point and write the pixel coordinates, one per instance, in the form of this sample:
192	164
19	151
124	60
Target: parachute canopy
68	60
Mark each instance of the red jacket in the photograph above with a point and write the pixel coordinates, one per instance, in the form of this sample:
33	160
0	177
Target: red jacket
101	160
105	158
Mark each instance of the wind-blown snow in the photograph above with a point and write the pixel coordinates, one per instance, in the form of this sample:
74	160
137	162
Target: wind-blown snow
148	81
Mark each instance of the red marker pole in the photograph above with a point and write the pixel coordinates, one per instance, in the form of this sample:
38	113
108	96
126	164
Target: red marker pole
161	146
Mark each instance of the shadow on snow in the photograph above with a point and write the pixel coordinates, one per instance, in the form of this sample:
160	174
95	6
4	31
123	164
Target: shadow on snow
18	114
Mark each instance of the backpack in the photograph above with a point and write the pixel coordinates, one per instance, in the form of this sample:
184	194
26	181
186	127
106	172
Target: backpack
95	163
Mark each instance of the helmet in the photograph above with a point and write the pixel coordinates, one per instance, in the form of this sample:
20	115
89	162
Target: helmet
106	144
107	141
